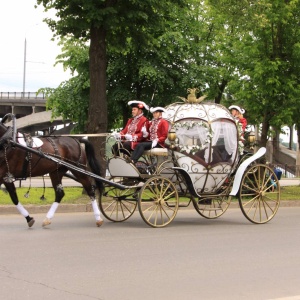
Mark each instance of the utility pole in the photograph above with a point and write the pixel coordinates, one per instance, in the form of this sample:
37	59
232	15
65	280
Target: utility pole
24	69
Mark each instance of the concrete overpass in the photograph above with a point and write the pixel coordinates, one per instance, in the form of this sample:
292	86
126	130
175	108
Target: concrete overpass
30	111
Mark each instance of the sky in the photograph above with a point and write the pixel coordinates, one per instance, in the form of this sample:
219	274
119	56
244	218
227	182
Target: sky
19	20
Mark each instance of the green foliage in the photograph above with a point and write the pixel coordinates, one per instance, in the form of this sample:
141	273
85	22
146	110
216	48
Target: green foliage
247	50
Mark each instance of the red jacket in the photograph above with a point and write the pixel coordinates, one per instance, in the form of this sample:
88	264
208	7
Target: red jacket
243	121
159	130
134	127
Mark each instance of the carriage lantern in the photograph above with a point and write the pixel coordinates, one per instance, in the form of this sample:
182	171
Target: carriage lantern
251	139
172	137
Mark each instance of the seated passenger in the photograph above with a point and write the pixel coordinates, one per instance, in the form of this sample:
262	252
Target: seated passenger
158	133
132	134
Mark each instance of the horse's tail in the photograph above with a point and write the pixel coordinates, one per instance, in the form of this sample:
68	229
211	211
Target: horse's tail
93	162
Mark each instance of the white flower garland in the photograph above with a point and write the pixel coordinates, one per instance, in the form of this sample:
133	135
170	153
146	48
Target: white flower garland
188	125
241	145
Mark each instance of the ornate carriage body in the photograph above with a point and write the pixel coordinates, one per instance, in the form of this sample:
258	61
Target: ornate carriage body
205	165
207	145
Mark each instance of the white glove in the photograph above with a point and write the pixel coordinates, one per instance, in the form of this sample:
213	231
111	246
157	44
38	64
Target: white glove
116	135
154	143
128	137
144	131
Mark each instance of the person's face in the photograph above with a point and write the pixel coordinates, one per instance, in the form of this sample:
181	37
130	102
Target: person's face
136	111
234	112
157	114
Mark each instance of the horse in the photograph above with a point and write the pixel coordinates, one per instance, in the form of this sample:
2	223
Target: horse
19	163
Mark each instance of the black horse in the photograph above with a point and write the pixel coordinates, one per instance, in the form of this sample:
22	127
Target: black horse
17	162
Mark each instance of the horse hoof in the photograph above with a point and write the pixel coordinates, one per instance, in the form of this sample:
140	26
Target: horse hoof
31	222
99	223
46	222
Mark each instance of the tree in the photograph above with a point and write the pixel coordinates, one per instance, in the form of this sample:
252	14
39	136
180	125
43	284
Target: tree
97	21
265	53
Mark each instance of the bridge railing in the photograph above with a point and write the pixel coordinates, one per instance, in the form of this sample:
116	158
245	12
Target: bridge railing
21	95
288	171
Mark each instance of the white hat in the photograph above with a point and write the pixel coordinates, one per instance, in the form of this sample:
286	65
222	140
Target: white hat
158	108
138	104
241	110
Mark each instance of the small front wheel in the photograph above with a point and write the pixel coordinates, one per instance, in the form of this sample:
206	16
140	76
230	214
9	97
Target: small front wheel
158	201
118	205
259	194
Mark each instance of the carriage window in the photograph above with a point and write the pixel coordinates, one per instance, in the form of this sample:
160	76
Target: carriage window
192	135
215	143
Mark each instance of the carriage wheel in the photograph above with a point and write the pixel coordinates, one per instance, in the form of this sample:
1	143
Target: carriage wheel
259	194
118	205
212	207
158	201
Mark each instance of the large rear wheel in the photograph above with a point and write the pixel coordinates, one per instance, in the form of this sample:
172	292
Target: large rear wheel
259	194
158	201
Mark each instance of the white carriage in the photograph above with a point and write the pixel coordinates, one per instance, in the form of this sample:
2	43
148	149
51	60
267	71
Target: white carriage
205	164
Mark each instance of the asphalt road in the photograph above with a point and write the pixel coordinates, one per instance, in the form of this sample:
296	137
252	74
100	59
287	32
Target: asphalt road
192	258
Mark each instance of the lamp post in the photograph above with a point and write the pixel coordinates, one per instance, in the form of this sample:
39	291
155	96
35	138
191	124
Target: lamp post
24	68
26	61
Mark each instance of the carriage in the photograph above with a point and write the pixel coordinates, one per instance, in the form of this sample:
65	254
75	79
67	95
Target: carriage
205	165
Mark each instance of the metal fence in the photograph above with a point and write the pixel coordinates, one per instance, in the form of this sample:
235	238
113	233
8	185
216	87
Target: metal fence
21	95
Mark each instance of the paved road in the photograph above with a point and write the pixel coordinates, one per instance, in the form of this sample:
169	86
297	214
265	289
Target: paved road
192	258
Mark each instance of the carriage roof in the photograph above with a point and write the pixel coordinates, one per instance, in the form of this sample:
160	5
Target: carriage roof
207	111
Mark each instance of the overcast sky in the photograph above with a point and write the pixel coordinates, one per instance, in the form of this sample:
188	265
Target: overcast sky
19	20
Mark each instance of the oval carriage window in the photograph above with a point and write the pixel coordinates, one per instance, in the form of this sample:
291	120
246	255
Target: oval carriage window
217	142
224	141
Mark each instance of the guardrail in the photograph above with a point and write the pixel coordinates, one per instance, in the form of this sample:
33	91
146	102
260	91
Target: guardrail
21	95
288	171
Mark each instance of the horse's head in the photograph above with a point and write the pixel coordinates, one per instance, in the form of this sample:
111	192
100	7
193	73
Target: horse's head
7	132
3	129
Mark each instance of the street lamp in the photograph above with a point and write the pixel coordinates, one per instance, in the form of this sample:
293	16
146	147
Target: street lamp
24	69
25	62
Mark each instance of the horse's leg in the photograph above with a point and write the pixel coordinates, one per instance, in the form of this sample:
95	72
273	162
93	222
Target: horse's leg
10	187
56	178
89	188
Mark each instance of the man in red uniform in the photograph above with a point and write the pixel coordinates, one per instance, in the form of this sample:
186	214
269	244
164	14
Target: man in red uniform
238	112
132	134
158	133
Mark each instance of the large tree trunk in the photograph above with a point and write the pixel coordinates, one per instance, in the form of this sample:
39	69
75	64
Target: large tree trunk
264	131
97	115
221	91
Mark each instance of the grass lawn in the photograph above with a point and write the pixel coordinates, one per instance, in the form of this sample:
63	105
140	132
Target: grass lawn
74	195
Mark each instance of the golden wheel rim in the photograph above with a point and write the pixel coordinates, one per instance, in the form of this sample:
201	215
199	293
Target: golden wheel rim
259	194
118	205
212	207
158	201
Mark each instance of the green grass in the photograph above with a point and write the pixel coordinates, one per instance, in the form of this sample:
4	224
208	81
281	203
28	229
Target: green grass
74	195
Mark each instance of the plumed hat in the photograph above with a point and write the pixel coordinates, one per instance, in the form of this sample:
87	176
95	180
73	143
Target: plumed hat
239	109
138	104
158	108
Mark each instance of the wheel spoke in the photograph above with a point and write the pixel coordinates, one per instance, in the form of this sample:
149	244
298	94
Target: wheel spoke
259	201
154	198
